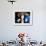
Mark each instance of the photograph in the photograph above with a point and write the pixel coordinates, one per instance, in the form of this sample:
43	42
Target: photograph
23	18
22	22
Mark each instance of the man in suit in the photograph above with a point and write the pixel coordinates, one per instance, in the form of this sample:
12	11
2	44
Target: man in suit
18	18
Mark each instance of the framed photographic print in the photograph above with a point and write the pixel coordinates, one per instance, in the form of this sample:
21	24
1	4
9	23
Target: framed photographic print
23	18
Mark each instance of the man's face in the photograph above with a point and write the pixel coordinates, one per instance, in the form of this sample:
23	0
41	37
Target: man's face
26	14
18	15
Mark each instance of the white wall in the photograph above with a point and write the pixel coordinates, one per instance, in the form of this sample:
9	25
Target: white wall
9	31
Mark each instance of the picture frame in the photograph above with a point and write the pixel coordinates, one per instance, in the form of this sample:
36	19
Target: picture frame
23	18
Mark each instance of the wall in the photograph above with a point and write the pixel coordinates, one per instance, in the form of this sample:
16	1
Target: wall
9	31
